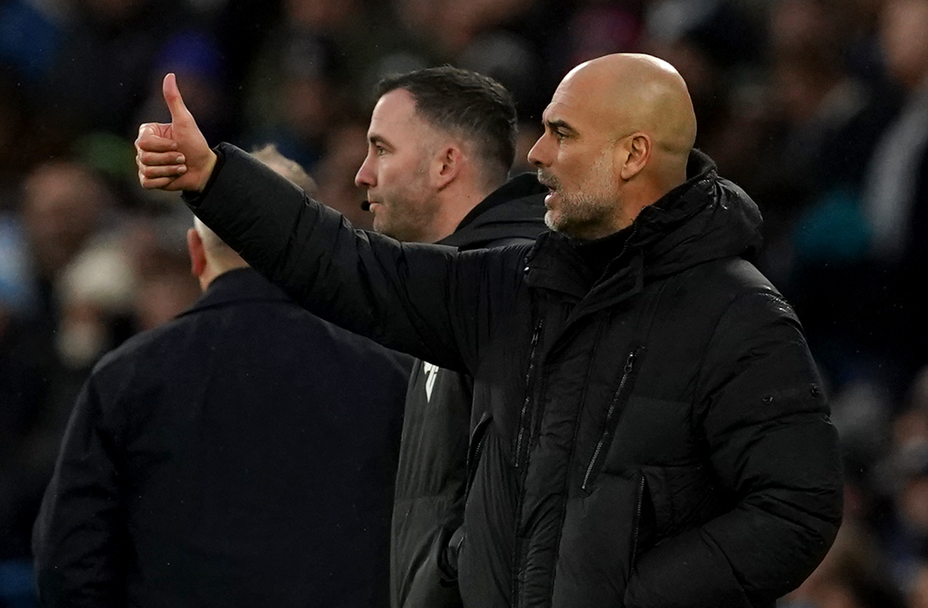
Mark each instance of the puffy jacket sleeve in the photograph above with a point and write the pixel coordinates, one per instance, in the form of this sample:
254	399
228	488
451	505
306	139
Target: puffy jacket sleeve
774	450
430	301
80	538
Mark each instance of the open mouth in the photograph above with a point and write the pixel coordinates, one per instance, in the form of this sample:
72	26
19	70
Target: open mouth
548	181
551	184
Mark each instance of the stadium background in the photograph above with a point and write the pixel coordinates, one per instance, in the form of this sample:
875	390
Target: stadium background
811	105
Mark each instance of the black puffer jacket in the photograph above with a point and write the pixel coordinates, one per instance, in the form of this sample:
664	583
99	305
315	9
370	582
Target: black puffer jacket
432	472
654	437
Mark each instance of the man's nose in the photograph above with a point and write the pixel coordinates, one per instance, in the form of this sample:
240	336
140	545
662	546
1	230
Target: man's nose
537	156
364	178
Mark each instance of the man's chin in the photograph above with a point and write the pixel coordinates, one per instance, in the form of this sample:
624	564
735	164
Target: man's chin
553	220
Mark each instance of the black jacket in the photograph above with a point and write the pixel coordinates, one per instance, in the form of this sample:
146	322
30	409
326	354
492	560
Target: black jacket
430	480
652	436
241	455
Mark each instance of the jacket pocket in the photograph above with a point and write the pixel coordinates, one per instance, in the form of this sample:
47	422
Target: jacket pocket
682	497
616	405
449	544
604	534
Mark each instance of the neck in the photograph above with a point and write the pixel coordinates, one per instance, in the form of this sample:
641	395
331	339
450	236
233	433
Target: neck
649	192
214	271
455	204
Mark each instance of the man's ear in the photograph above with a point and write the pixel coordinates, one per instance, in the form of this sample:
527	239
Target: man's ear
448	165
197	253
636	152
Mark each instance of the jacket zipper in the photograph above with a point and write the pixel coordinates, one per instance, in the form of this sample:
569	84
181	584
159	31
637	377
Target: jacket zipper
474	456
626	373
638	510
520	439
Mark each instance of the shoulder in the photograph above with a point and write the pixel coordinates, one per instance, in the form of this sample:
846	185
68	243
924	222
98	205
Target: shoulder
751	317
725	281
366	354
731	304
153	346
140	343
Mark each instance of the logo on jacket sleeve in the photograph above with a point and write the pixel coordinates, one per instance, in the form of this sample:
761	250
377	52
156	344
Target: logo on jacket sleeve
431	375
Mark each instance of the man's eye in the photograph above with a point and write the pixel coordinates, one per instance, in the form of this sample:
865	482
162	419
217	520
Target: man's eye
380	150
560	135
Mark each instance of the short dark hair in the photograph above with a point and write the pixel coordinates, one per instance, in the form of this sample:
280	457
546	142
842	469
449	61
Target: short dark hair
463	102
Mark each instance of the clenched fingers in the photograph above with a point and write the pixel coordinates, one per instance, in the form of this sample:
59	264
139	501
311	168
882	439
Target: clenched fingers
155	137
162	171
159	159
155	184
153	176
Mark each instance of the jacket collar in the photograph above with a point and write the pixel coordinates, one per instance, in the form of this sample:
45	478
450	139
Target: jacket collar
234	286
704	218
515	210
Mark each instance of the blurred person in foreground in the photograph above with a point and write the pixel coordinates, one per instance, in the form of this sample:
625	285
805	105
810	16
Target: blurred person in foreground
649	427
241	455
441	143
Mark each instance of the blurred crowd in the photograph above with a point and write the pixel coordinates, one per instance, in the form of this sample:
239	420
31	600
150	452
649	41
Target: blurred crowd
818	108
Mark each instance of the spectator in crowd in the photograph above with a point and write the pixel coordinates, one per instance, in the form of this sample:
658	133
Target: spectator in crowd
898	485
646	410
299	97
63	204
896	197
196	56
242	454
163	286
346	148
852	575
113	45
823	123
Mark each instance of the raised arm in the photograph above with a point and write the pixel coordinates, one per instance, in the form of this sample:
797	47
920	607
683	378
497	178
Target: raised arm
426	300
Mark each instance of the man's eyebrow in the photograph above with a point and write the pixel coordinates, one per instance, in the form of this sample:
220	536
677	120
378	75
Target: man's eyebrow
377	139
559	125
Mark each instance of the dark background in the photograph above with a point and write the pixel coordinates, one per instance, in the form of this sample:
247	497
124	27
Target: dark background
818	108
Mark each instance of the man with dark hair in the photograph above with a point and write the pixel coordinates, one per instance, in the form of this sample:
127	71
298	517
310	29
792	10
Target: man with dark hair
218	460
469	104
649	427
440	144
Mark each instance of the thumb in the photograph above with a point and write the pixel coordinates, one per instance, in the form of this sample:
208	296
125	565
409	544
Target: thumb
179	111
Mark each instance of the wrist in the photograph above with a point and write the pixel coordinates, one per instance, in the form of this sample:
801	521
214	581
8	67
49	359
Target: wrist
211	171
207	172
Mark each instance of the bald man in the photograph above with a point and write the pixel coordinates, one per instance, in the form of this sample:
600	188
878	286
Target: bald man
649	427
217	461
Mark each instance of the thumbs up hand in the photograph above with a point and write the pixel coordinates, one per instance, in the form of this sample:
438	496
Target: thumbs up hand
173	156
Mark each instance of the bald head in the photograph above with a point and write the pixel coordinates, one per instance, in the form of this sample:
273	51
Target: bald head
221	256
618	133
631	92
